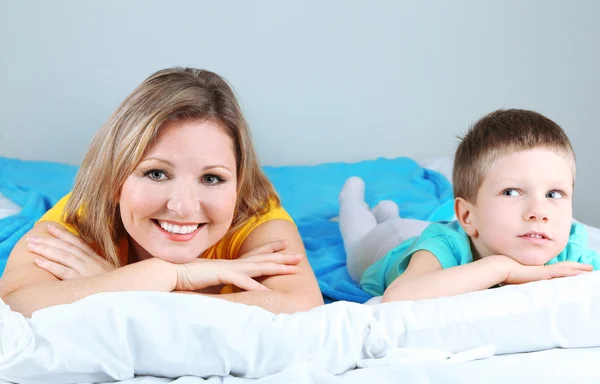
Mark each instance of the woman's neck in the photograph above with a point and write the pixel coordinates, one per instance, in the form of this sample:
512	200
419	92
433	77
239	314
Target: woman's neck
136	252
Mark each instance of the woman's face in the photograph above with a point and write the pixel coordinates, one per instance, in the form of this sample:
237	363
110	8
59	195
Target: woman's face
180	199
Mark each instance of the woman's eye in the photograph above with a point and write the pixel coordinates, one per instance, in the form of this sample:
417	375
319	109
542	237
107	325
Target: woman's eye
211	179
555	195
510	192
156	174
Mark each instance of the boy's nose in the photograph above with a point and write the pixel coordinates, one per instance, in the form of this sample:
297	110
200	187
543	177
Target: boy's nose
537	212
537	216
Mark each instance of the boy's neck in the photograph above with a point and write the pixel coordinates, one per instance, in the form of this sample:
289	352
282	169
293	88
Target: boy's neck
474	250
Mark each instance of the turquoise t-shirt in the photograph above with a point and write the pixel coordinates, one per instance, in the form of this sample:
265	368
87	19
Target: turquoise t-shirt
451	245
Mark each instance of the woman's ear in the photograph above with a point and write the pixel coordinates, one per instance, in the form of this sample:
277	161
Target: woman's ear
465	214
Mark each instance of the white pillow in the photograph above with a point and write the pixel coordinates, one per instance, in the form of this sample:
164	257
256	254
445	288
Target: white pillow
441	164
7	207
111	336
520	318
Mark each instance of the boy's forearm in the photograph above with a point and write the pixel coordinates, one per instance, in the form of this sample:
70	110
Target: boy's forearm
149	275
475	276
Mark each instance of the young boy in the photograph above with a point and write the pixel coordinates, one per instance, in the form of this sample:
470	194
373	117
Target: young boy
513	182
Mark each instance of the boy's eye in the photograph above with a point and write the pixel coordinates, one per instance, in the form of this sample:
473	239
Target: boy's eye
156	174
510	192
211	179
555	195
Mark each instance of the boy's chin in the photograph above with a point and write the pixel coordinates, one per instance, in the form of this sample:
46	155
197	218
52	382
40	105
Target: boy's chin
533	259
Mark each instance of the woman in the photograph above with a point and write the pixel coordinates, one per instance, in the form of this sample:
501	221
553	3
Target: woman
170	197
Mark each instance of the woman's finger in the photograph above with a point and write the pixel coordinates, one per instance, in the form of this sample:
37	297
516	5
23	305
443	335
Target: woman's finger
242	281
56	243
68	237
281	258
58	270
267	269
271	247
51	249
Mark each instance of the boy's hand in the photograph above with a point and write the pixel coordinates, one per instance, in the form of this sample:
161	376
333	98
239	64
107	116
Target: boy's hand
519	274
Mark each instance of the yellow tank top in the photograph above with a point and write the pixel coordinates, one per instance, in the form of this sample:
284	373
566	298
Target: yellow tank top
227	248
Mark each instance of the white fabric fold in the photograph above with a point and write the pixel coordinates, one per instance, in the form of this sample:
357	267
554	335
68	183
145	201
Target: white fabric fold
111	336
114	336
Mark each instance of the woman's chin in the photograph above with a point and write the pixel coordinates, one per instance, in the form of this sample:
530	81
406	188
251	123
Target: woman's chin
177	258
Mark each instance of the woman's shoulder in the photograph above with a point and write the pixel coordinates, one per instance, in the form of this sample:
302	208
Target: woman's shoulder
57	214
275	212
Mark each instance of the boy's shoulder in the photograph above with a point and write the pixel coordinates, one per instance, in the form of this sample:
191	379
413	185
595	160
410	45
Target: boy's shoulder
444	228
578	236
447	241
577	245
444	233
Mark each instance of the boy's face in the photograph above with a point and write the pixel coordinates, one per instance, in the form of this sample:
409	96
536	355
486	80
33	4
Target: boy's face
524	207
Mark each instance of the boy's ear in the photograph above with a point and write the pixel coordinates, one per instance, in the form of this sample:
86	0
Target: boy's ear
465	215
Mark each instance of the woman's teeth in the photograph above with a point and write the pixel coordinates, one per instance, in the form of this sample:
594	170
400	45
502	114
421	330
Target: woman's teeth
178	229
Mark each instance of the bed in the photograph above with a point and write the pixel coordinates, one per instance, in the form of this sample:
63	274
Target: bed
539	332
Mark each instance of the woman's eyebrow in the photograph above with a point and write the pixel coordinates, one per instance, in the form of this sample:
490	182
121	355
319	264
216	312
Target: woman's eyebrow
209	167
167	162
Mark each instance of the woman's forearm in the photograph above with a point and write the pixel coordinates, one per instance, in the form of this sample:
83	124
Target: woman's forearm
272	301
148	275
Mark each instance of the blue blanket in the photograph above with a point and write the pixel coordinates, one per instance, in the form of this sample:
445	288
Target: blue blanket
35	186
308	193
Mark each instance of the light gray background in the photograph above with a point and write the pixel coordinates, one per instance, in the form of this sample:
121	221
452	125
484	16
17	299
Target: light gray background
319	81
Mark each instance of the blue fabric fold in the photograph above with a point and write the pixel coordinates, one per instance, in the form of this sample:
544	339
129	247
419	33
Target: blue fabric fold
308	193
35	186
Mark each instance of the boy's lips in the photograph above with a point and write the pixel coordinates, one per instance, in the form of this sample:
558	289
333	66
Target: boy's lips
536	238
536	235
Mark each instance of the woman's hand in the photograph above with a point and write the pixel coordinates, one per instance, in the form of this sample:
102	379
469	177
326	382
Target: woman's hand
520	274
66	256
262	261
272	247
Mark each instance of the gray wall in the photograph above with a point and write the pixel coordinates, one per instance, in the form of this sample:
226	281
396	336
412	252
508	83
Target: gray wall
319	80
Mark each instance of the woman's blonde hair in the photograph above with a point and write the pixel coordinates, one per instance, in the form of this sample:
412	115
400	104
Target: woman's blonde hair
120	145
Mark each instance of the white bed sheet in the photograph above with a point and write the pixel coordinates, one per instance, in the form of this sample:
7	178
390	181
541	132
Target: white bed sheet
551	366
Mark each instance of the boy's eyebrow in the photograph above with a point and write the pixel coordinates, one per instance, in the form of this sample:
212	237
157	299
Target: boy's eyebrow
563	184
508	180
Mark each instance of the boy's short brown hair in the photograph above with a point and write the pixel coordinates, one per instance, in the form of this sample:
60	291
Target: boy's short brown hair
496	134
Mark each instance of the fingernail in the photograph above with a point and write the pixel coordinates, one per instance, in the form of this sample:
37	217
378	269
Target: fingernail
40	261
32	239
